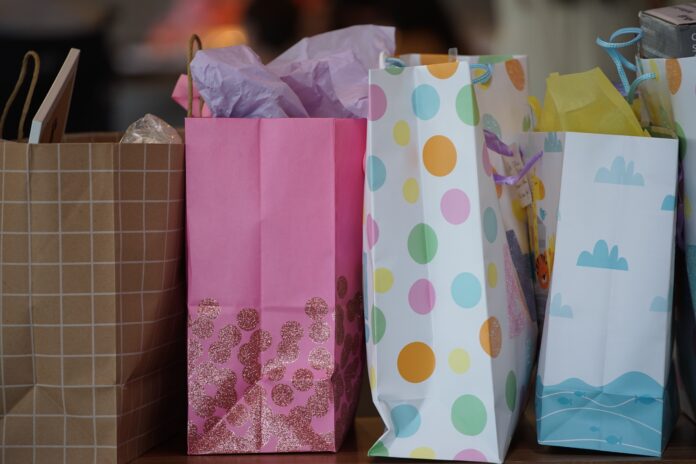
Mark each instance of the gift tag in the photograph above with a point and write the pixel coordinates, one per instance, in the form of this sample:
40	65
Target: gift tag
513	166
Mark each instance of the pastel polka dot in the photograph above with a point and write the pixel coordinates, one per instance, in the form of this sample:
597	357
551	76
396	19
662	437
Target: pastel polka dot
469	415
467	108
406	420
490	225
459	361
383	279
379	324
410	190
378	449
421	296
372	377
470	455
674	74
486	159
443	70
423	452
492	275
455	206
416	362
515	72
376	172
371	231
377	102
518	210
439	155
490	124
422	243
425	102
466	290
511	390
491	337
394	70
401	133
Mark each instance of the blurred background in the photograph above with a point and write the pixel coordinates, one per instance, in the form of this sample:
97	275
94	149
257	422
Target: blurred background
134	50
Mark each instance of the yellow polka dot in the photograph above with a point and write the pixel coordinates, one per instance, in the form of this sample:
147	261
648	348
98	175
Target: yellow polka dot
491	337
401	133
411	190
384	280
443	70
372	374
439	155
459	361
416	362
492	275
423	453
654	70
518	210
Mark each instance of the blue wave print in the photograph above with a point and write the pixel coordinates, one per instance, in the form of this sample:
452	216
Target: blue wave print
625	416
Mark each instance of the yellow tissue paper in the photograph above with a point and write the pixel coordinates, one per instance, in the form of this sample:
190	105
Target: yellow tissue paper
586	102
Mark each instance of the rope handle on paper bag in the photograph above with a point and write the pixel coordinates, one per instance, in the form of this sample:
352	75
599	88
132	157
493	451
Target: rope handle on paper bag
494	143
197	41
621	62
30	93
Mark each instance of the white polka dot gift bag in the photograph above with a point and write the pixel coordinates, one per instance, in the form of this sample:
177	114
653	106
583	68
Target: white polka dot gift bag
450	329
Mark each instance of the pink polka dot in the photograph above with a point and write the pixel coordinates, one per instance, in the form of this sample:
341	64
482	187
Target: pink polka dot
421	296
487	161
470	455
372	231
378	103
455	206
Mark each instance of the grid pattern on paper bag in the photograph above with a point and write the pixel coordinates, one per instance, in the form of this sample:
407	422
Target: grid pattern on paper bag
91	305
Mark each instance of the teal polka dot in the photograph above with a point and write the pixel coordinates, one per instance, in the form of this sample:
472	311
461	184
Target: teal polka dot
466	290
511	390
490	225
490	124
406	420
425	101
422	243
469	415
467	108
376	173
379	324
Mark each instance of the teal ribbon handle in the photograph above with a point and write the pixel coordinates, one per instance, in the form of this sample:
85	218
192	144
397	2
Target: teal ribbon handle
612	48
486	76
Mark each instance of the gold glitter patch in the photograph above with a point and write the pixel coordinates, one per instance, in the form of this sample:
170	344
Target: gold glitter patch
282	394
303	379
319	332
248	319
316	308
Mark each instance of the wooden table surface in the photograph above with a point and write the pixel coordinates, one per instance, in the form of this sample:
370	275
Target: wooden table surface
524	448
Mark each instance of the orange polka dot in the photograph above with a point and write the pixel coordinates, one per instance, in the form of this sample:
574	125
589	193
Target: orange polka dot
416	362
433	58
439	155
491	337
498	187
515	72
674	74
443	70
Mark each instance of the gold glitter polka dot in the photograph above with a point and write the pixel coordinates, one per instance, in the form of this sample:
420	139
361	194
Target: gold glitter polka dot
261	338
316	308
210	423
204	406
320	358
238	415
288	352
252	372
202	327
230	336
318	405
248	319
319	332
341	286
291	331
274	370
209	308
248	354
303	379
282	395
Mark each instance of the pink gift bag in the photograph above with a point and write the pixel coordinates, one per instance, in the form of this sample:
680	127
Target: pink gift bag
275	334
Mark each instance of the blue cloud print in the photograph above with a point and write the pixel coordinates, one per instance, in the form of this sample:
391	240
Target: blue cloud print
619	173
552	144
558	309
659	305
602	257
668	203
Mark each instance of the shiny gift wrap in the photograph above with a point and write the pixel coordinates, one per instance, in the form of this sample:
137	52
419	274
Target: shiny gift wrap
275	333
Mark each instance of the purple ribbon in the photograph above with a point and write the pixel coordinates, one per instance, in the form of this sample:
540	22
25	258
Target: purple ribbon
512	180
495	144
